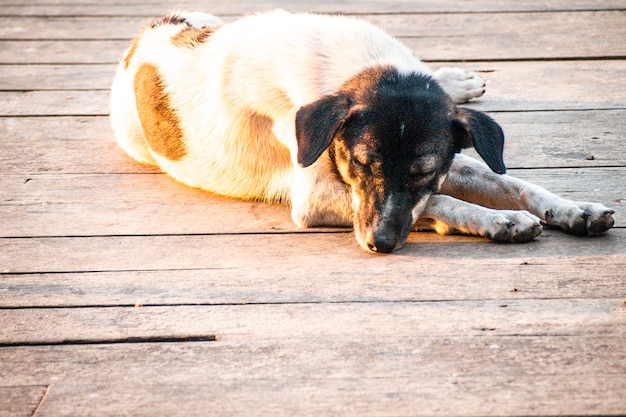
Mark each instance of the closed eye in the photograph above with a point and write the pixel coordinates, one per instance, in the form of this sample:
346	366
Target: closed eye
425	177
361	166
425	165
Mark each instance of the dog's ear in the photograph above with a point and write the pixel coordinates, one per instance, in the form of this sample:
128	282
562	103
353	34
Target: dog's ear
476	129
317	124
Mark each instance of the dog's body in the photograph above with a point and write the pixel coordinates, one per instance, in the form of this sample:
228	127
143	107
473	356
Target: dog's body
332	115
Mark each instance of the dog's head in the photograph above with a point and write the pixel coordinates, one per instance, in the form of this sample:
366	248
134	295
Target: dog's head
392	139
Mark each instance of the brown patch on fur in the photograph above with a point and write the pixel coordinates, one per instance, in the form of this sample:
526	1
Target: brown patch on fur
258	131
131	52
190	37
159	120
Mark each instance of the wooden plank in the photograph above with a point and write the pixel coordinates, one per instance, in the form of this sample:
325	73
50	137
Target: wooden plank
534	140
506	393
19	400
364	280
56	77
512	86
64	145
433	37
254	253
562	139
50	103
301	322
112	7
431	329
120	204
62	52
510	36
597	184
551	85
370	371
526	35
61	206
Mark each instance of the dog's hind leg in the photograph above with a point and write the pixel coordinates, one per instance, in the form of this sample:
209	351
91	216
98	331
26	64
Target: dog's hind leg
473	181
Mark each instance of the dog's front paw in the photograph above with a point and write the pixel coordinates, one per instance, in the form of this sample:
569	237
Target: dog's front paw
461	85
513	226
582	219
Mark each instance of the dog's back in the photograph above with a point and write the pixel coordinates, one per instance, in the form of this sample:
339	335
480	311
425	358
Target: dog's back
214	106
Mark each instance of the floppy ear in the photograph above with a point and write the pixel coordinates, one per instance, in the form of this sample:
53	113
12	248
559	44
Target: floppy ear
484	134
317	124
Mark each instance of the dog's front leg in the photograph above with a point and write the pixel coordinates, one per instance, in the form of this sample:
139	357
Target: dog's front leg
318	198
473	181
446	215
461	85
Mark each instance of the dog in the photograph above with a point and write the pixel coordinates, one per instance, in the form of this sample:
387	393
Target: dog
331	115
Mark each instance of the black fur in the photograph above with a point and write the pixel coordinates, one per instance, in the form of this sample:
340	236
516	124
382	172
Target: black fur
485	135
317	125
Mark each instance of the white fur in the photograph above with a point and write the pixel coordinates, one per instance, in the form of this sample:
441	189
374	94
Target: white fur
269	64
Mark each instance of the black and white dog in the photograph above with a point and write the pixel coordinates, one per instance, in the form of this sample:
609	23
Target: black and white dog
333	116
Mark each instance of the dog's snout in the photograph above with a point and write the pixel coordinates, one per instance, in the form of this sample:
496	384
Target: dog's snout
382	243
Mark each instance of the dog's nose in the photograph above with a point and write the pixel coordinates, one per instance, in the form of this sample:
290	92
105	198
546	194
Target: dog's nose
382	244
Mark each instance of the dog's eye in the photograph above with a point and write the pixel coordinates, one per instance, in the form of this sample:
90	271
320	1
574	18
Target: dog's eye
425	166
427	177
361	166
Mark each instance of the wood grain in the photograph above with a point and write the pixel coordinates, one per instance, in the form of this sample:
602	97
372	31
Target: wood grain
129	204
322	321
494	36
134	8
20	400
123	293
324	372
508	275
512	86
275	251
507	31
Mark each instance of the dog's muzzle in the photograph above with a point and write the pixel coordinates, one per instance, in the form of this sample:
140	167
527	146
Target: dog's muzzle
386	229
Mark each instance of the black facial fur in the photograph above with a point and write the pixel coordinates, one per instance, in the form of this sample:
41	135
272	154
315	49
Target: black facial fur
392	138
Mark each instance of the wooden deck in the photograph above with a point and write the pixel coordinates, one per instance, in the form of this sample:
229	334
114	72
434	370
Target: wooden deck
123	293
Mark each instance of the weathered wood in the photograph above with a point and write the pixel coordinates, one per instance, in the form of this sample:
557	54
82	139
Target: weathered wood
47	103
363	280
114	204
257	253
370	370
107	8
62	52
551	85
510	83
512	86
330	391
56	77
433	37
64	145
528	35
340	322
20	400
264	321
562	139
